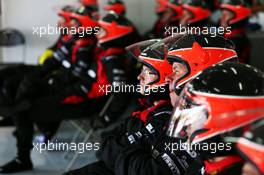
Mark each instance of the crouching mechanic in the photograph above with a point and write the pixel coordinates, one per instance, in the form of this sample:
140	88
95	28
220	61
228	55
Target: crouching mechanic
81	97
234	18
208	110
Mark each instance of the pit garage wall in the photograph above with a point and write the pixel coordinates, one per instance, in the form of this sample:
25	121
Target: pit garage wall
26	14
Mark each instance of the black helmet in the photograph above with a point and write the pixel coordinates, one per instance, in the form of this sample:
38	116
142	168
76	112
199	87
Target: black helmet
116	31
226	97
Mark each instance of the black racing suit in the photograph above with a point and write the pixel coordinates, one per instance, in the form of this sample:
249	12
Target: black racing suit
12	74
78	99
125	150
140	147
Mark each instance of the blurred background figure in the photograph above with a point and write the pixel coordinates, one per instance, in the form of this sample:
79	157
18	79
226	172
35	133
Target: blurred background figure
156	30
169	13
196	13
117	6
235	15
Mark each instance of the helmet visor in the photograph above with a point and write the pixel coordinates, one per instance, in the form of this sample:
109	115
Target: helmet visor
187	118
144	49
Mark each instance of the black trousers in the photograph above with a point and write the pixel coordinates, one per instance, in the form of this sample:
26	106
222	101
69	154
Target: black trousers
50	109
10	77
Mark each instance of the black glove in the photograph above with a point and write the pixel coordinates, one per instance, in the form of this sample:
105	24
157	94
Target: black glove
175	155
149	133
146	133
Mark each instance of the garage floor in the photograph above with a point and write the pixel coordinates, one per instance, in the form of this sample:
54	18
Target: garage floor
47	163
55	162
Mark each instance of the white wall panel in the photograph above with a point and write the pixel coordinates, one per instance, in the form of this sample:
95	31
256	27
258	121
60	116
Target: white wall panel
24	14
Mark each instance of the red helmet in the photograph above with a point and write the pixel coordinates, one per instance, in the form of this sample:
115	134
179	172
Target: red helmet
117	6
199	10
89	2
115	30
152	53
227	97
198	52
239	8
66	12
176	6
251	146
161	6
91	5
85	17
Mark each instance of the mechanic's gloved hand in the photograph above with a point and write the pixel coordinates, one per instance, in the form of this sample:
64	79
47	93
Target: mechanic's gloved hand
145	133
175	155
